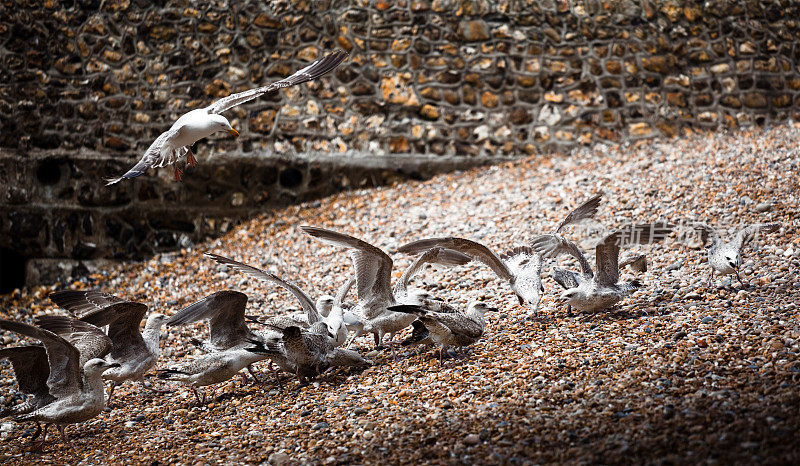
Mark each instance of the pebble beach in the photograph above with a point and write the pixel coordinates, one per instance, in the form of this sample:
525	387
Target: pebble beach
680	372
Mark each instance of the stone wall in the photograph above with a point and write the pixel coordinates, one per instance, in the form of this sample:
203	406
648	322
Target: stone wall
85	86
434	77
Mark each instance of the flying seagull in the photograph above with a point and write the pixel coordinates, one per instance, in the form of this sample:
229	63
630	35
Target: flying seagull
586	291
726	258
73	377
373	271
521	267
202	122
136	352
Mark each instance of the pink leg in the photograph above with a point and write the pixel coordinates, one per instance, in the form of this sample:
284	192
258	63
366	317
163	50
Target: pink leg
178	173
190	158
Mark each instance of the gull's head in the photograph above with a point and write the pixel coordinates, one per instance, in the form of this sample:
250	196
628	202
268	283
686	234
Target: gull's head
220	123
324	305
480	308
733	260
97	366
155	321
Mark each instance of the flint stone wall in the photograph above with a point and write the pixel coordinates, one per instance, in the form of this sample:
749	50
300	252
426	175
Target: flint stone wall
85	86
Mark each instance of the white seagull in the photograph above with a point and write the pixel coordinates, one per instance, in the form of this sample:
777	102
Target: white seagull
202	122
726	258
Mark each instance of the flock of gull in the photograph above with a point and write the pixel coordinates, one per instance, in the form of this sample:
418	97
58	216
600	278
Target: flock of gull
63	375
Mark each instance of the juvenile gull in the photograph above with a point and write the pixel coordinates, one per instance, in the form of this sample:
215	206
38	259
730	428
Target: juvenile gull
211	368
446	329
136	352
373	274
521	267
313	310
587	291
228	330
726	258
309	353
202	122
74	374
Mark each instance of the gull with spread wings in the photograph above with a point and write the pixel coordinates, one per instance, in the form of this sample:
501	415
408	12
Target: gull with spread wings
135	351
69	388
197	124
521	267
586	291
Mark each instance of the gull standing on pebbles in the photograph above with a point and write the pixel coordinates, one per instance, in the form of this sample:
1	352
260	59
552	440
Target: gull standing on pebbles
311	352
373	273
202	122
521	267
313	310
212	368
227	328
726	258
589	292
136	352
446	329
74	374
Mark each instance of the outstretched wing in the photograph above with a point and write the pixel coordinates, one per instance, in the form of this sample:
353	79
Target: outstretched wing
311	72
63	358
555	245
471	248
305	301
707	232
159	154
745	235
583	211
439	256
373	266
30	368
90	341
607	252
81	303
225	311
637	262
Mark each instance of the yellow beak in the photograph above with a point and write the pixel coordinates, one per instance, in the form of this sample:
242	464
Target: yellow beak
233	132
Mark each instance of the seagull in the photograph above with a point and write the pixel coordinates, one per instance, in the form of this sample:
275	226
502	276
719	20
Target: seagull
446	329
311	352
136	352
373	269
313	310
227	327
73	377
726	258
202	122
521	267
211	368
589	292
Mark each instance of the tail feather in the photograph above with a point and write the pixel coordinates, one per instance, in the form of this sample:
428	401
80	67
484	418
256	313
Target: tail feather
407	309
166	373
418	334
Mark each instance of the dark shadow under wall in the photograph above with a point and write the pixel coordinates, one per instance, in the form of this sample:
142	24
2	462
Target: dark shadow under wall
12	270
